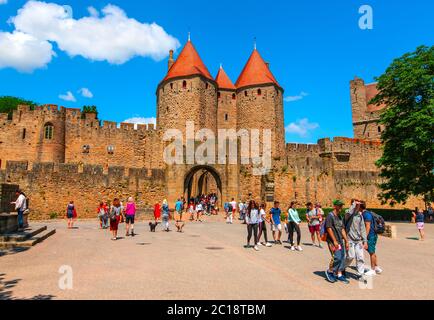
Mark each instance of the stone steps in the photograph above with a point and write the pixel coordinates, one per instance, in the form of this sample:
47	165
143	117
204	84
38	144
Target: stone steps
26	238
22	236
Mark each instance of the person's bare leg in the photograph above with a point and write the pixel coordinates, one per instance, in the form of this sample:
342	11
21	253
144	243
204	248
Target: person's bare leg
312	235
373	260
319	238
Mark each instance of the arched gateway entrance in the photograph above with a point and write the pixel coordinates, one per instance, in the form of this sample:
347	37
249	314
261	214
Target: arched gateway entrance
202	180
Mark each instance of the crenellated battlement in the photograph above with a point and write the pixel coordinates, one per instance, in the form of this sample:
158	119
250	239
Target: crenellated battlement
77	171
72	116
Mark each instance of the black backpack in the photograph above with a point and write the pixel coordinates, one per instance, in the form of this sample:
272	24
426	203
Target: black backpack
379	223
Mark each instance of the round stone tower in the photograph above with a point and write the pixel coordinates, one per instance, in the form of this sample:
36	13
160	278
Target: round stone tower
187	93
260	103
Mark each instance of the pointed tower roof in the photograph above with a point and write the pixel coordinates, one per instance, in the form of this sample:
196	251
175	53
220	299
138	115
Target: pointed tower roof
255	72
223	81
188	63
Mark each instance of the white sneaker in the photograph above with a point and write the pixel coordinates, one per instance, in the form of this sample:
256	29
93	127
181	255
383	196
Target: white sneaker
292	248
299	248
370	273
268	244
259	244
378	270
256	248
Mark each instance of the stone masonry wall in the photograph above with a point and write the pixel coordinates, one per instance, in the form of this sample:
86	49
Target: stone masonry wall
51	186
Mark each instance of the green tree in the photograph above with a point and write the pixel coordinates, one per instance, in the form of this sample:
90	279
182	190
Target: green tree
407	87
9	104
89	109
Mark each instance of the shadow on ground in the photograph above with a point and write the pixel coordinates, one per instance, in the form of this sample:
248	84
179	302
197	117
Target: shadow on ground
4	252
6	290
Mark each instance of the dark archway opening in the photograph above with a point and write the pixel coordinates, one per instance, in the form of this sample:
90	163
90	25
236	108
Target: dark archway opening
202	180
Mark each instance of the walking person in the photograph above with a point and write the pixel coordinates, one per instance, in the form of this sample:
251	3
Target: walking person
102	211
229	212
71	214
191	210
372	238
20	207
294	225
165	216
276	225
263	226
130	214
199	211
314	218
337	243
420	223
252	220
357	239
234	208
179	222
242	210
115	217
157	211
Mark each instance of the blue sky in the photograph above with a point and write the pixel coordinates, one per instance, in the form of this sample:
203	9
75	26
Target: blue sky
314	47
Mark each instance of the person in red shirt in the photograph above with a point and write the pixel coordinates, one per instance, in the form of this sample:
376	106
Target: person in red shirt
157	211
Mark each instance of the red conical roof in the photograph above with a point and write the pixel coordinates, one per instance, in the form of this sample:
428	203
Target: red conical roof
223	81
255	72
188	63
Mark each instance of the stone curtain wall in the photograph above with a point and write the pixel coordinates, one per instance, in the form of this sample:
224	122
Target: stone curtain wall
51	186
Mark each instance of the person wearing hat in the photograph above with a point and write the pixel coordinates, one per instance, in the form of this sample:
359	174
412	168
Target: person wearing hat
337	243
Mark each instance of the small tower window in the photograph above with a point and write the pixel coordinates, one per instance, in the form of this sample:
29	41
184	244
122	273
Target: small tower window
259	92
379	129
218	95
184	84
24	133
226	117
110	149
233	96
86	148
48	131
245	93
171	86
206	85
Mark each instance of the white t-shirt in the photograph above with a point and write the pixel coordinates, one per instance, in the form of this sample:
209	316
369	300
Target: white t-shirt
262	215
199	207
254	216
234	205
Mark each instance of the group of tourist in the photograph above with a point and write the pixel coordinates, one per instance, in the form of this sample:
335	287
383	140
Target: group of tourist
347	237
347	234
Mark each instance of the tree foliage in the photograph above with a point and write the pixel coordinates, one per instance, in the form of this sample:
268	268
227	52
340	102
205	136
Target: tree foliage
89	109
407	164
8	104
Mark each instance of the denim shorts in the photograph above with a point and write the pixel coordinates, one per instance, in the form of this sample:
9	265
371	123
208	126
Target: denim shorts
129	219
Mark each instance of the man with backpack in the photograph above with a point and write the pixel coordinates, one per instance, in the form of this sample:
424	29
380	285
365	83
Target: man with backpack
356	234
374	226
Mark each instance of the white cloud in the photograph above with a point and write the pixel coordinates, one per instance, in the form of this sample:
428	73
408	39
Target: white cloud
296	98
301	127
68	97
24	52
141	120
93	12
85	92
113	37
3	1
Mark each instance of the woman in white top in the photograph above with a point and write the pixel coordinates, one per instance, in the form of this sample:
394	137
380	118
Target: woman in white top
263	226
252	220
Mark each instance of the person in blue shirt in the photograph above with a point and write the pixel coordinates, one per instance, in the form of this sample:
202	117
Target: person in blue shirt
179	208
276	224
372	239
